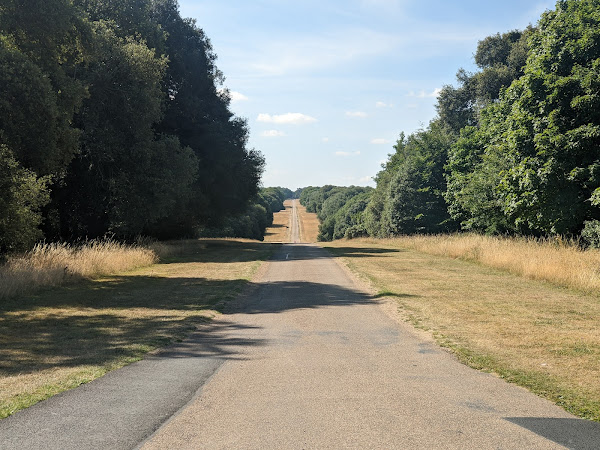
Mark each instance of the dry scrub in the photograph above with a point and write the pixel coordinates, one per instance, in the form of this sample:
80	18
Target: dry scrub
557	261
55	264
541	336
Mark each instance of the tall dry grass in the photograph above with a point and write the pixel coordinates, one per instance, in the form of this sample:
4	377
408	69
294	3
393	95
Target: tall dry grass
55	264
555	260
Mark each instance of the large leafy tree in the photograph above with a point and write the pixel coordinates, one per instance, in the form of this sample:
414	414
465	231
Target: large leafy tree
553	135
475	166
43	44
415	192
197	111
124	178
536	156
501	59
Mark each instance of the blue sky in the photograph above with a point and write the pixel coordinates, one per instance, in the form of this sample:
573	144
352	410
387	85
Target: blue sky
327	86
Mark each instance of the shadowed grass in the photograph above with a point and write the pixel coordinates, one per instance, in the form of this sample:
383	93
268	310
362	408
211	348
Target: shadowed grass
62	337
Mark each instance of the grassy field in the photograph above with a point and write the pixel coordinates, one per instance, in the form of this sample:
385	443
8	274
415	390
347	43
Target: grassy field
61	337
530	332
280	230
309	224
557	261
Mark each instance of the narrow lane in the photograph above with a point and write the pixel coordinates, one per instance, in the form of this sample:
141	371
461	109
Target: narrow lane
334	371
295	224
304	360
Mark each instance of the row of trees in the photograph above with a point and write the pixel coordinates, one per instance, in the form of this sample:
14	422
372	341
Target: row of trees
252	222
339	209
113	120
515	146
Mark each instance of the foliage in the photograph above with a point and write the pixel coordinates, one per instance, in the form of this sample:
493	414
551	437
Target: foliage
501	58
536	153
339	209
138	137
22	195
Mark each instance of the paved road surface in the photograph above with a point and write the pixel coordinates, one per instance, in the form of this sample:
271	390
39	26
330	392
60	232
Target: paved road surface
319	365
305	360
295	224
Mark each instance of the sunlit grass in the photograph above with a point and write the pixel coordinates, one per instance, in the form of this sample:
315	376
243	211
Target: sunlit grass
309	224
59	263
557	261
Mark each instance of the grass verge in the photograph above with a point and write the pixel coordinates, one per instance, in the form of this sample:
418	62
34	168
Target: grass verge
532	333
557	261
309	224
61	337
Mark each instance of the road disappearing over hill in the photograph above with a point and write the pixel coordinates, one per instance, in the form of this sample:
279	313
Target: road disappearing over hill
305	358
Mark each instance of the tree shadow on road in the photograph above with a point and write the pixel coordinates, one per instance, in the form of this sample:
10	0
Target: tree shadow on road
119	318
123	317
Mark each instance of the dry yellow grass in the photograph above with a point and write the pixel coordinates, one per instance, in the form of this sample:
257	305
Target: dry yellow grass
55	264
530	332
62	337
309	224
280	230
556	261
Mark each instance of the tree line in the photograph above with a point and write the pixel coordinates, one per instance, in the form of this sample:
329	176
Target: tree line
113	120
514	148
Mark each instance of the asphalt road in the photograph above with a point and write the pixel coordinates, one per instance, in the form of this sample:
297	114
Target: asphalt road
319	364
295	224
304	360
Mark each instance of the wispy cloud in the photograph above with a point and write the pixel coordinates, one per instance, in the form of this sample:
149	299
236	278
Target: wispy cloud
325	139
286	119
320	52
379	141
383	105
423	94
346	154
237	96
359	114
272	133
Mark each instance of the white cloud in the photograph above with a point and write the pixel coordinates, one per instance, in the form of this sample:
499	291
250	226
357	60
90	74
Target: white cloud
365	179
379	141
325	139
237	96
422	94
360	114
383	105
272	133
288	118
345	154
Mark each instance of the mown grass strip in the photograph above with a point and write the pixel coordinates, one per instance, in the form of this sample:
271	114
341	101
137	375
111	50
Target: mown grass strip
531	333
64	336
